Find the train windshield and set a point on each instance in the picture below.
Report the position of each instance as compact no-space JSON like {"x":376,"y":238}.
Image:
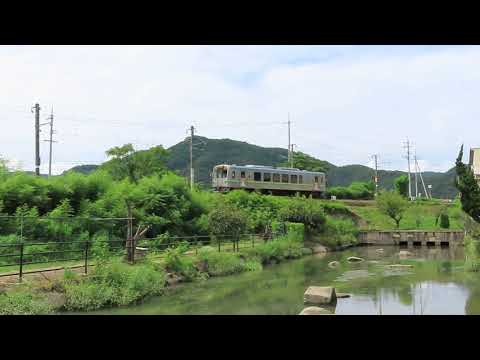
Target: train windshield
{"x":221,"y":173}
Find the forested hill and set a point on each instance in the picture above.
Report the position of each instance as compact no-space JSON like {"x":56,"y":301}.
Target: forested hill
{"x":210,"y":152}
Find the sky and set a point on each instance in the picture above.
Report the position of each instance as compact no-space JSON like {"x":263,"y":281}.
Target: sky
{"x":346,"y":103}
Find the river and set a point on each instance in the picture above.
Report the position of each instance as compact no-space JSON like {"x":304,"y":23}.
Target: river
{"x":436,"y":284}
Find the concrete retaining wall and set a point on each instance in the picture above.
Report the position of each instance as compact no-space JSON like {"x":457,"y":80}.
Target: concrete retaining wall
{"x":412,"y":237}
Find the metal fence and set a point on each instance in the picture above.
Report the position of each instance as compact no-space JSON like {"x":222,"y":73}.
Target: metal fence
{"x":21,"y":254}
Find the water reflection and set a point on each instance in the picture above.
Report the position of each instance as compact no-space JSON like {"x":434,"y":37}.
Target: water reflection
{"x":436,"y":284}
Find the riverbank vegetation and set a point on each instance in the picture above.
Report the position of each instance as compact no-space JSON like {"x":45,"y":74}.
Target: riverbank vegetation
{"x":115,"y":283}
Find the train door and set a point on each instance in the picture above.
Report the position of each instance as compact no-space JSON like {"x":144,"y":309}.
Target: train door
{"x":243,"y":177}
{"x":316,"y":186}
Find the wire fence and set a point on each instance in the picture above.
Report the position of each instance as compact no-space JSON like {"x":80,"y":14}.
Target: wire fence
{"x":20,"y":255}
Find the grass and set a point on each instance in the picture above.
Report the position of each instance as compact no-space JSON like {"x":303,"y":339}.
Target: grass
{"x":423,"y":211}
{"x":114,"y":284}
{"x":23,"y":303}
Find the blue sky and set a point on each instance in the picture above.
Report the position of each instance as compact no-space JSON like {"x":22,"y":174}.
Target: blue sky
{"x":346,"y":102}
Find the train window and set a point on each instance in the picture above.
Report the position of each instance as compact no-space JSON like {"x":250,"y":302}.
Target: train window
{"x":316,"y":179}
{"x":276,"y":177}
{"x":300,"y":179}
{"x":293,"y":179}
{"x":257,"y":176}
{"x":233,"y":174}
{"x":284,"y":178}
{"x":242,"y":174}
{"x":267,"y":177}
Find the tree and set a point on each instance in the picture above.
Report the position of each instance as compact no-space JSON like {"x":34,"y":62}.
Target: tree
{"x":226,"y":220}
{"x":392,"y":204}
{"x":3,"y":166}
{"x":468,"y":187}
{"x":306,"y":211}
{"x":401,"y":185}
{"x":126,"y":162}
{"x":444,"y":221}
{"x":306,"y":162}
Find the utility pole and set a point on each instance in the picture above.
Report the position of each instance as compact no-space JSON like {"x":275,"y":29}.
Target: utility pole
{"x":37,"y":138}
{"x":416,"y":172}
{"x":289,"y":145}
{"x":292,"y":156}
{"x":407,"y":146}
{"x":375,"y":156}
{"x":51,"y":141}
{"x":192,"y":129}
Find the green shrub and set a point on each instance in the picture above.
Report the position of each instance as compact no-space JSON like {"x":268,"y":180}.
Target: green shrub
{"x":22,"y":303}
{"x":88,"y":296}
{"x":227,"y":220}
{"x":114,"y":284}
{"x":339,"y":232}
{"x":306,"y":211}
{"x":444,"y":221}
{"x":276,"y":250}
{"x":295,"y":231}
{"x":472,"y":254}
{"x":219,"y":263}
{"x":224,"y":263}
{"x":176,"y":262}
{"x":356,"y":191}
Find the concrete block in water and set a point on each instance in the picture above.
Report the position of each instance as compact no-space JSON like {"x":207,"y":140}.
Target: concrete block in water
{"x":319,"y":295}
{"x":314,"y":310}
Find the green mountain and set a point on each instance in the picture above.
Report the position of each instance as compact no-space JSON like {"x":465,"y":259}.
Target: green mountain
{"x":210,"y":152}
{"x":83,"y":169}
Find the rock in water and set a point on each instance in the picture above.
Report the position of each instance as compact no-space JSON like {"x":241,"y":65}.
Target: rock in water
{"x":307,"y":251}
{"x":333,"y":264}
{"x":319,"y":295}
{"x":314,"y":310}
{"x":400,"y":266}
{"x":354,"y":259}
{"x":405,"y":253}
{"x":319,"y":249}
{"x":342,"y":295}
{"x":380,"y":251}
{"x":173,"y":279}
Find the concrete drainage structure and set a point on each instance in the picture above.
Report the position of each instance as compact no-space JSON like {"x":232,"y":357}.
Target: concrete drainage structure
{"x":443,"y":238}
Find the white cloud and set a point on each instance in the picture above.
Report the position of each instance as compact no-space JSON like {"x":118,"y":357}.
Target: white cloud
{"x":346,"y":103}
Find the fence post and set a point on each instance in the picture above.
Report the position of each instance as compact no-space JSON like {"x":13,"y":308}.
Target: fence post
{"x":20,"y":272}
{"x":86,"y":257}
{"x":219,"y":244}
{"x":253,"y":240}
{"x":196,"y":244}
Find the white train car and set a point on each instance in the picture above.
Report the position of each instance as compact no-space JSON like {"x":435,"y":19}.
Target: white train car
{"x":268,"y":179}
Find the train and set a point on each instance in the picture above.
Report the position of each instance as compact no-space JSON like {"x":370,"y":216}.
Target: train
{"x":268,"y":180}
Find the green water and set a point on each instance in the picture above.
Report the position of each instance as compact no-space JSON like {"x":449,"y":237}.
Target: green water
{"x":436,"y":284}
